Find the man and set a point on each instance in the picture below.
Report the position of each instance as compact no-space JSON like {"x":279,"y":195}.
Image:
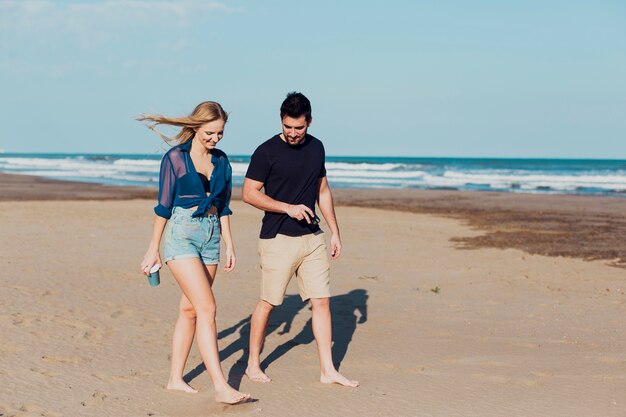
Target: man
{"x":290,"y":167}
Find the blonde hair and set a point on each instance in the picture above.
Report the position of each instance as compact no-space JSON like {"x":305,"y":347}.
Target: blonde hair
{"x":205,"y":112}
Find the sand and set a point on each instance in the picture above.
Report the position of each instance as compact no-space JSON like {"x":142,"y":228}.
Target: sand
{"x":584,"y":227}
{"x":428,"y":326}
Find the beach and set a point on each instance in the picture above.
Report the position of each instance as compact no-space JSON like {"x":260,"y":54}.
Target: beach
{"x":444,"y":304}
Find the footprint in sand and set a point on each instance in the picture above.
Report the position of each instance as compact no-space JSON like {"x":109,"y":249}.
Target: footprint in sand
{"x":44,"y":372}
{"x":96,"y":335}
{"x":417,"y":369}
{"x":65,"y":359}
{"x":72,"y":323}
{"x":20,"y":319}
{"x":499,"y":379}
{"x":32,"y":291}
{"x":156,"y":342}
{"x":124,"y":312}
{"x":529,"y":345}
{"x":369,"y":277}
{"x":132,"y":375}
{"x":35,"y":410}
{"x":151,"y":323}
{"x":479,"y":361}
{"x":97,"y":398}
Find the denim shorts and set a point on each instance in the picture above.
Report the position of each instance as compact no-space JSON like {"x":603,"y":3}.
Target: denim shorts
{"x":192,"y":237}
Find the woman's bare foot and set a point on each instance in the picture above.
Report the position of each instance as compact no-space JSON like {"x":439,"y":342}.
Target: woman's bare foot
{"x":335,"y":377}
{"x":229,"y":395}
{"x":181,"y":385}
{"x":257,"y":375}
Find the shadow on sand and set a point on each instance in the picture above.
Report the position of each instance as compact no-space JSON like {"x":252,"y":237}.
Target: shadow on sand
{"x":348,"y":310}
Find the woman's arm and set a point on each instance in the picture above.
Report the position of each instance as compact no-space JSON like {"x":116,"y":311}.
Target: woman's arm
{"x":228,"y":242}
{"x":152,"y":256}
{"x":167,"y":188}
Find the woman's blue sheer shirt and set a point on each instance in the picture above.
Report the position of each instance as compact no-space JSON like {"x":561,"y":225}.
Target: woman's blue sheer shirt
{"x":180,"y":186}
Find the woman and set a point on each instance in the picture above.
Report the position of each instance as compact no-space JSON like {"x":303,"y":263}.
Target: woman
{"x":192,"y":211}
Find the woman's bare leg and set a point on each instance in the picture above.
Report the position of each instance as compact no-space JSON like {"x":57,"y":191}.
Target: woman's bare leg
{"x":184,"y":330}
{"x":191,"y":275}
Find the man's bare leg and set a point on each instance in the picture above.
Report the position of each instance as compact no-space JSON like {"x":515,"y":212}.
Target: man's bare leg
{"x":258,"y":326}
{"x":322,"y":330}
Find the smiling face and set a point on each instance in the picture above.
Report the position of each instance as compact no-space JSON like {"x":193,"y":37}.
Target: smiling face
{"x":294,"y":129}
{"x":209,"y":134}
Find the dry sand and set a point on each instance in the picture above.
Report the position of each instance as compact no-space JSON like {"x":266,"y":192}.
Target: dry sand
{"x":428,"y":327}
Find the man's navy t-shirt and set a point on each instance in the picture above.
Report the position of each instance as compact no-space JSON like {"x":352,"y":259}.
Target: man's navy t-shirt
{"x":290,"y":174}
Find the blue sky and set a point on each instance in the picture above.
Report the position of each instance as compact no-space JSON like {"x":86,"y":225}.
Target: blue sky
{"x":396,"y":78}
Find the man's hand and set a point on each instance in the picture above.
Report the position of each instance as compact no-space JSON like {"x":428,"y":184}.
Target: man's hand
{"x":299,"y":212}
{"x":335,"y":247}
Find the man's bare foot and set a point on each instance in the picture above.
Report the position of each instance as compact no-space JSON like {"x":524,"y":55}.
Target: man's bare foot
{"x":336,"y":378}
{"x":257,"y":375}
{"x":229,"y":395}
{"x":181,"y":386}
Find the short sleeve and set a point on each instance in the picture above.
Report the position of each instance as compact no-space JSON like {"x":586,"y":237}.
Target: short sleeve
{"x":259,"y":167}
{"x":167,"y":189}
{"x":322,"y":173}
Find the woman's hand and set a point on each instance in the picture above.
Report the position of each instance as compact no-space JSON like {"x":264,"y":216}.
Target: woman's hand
{"x":230,"y":259}
{"x":151,"y":258}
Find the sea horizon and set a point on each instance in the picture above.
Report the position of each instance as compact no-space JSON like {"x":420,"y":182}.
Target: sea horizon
{"x":587,"y":176}
{"x":160,"y":155}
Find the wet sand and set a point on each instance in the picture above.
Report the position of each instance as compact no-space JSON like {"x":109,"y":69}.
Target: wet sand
{"x":585,"y":227}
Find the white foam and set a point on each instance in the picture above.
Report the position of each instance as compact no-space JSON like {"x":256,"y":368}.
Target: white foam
{"x":138,"y":162}
{"x":365,"y":166}
{"x":239,"y":168}
{"x":386,"y":175}
{"x":75,"y":166}
{"x":557,"y":181}
{"x":365,"y":181}
{"x":377,"y":174}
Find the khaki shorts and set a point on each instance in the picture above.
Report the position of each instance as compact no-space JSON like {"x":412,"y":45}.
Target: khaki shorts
{"x":306,"y":256}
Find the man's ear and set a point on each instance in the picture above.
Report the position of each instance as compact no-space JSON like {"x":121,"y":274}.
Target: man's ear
{"x":310,"y":121}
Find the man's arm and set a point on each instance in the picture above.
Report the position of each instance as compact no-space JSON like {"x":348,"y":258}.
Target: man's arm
{"x":325,"y":201}
{"x":252,"y":195}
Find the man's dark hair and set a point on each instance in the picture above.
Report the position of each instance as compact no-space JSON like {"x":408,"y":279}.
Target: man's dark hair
{"x":296,"y":105}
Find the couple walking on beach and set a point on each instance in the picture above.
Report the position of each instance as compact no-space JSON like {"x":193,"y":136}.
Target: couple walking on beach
{"x":192,"y":215}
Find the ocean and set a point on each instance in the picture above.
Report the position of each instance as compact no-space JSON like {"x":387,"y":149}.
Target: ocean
{"x":554,"y":176}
